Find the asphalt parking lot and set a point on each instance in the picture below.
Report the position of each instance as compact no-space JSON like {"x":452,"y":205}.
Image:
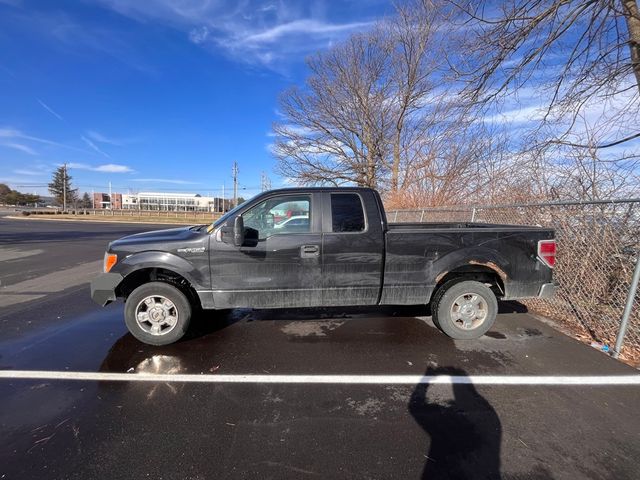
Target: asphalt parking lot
{"x":318,"y":393}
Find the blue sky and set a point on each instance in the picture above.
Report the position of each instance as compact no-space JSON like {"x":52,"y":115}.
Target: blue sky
{"x":154,"y":95}
{"x":164,"y":95}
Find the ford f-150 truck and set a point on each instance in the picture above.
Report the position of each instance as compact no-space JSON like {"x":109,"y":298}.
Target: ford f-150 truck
{"x":310,"y":247}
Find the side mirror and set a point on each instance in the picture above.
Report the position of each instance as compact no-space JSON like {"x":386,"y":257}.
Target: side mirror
{"x":238,"y":231}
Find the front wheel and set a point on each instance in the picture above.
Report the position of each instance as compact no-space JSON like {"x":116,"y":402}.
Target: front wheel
{"x":465,"y":310}
{"x":157,"y":313}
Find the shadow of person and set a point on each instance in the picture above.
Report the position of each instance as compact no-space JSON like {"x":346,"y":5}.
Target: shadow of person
{"x":464,"y":432}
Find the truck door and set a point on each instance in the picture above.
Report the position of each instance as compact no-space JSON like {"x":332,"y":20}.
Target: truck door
{"x":352,"y":249}
{"x":278,"y":264}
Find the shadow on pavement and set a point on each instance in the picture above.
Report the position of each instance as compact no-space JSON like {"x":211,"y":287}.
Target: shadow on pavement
{"x":464,"y":433}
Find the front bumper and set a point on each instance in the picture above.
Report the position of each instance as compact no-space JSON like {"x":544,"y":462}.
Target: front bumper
{"x":547,"y":290}
{"x":103,"y":288}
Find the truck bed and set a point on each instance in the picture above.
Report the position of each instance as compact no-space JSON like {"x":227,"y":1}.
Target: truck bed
{"x":418,"y":256}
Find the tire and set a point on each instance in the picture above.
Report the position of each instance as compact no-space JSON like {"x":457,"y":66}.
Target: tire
{"x":464,"y":310}
{"x":436,"y":300}
{"x":157,"y":313}
{"x":437,"y":296}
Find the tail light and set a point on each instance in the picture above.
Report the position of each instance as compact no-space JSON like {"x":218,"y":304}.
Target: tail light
{"x":547,"y":252}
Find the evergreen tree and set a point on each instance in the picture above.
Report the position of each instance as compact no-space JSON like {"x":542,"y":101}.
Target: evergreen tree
{"x":60,"y":179}
{"x":86,"y":201}
{"x":4,"y":191}
{"x":14,"y":197}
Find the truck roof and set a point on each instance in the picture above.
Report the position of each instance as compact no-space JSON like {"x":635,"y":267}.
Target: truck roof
{"x":321,"y":189}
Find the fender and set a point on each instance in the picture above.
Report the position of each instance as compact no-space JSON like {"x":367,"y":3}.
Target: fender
{"x":158,"y":259}
{"x":475,"y":255}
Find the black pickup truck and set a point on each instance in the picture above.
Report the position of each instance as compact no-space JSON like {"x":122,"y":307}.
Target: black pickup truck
{"x":309,"y":247}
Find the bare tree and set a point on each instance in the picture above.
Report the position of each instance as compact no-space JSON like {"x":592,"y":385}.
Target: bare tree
{"x":585,"y":174}
{"x":584,"y":51}
{"x":467,"y":163}
{"x":367,"y":105}
{"x":415,"y":44}
{"x":382,"y":110}
{"x":333,"y":131}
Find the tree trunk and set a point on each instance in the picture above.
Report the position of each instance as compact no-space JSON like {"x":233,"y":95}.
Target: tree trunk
{"x":632,"y":17}
{"x":395,"y":168}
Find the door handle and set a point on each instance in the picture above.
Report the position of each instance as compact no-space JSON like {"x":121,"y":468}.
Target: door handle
{"x":309,"y":251}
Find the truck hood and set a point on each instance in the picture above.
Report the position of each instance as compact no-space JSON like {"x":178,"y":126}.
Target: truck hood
{"x":159,"y":239}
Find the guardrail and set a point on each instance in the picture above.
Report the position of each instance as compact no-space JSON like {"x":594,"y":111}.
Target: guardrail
{"x":134,"y":214}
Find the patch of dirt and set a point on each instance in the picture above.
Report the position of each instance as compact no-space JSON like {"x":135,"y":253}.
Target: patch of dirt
{"x":311,"y":328}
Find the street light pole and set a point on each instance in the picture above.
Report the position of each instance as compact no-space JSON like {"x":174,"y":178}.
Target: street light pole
{"x":64,"y":189}
{"x":235,"y":184}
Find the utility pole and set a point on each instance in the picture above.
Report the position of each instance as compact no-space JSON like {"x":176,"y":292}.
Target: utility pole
{"x":265,"y":182}
{"x":234,"y":171}
{"x":110,"y":201}
{"x":64,"y":189}
{"x":223,"y":205}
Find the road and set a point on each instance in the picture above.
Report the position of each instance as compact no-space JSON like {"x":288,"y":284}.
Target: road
{"x":64,"y":428}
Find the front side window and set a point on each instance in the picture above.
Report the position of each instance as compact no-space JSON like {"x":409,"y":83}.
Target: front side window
{"x":346,"y":213}
{"x":279,"y":215}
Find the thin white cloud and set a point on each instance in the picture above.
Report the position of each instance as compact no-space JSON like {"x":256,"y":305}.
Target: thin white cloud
{"x":50,"y":110}
{"x":10,"y":132}
{"x":304,"y":26}
{"x":199,"y":35}
{"x":271,"y":35}
{"x":113,"y":168}
{"x":78,"y":166}
{"x":101,"y":138}
{"x":106,"y":168}
{"x":93,"y":146}
{"x":293,"y":129}
{"x":518,"y":115}
{"x":22,"y":171}
{"x":20,"y":147}
{"x":165,"y":180}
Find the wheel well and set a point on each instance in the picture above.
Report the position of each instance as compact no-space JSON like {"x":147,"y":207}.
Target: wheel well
{"x":146,"y":275}
{"x":478,"y":273}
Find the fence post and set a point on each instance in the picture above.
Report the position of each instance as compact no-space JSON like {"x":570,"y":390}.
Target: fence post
{"x":396,"y":216}
{"x":473,"y":215}
{"x":421,"y":215}
{"x":624,"y":323}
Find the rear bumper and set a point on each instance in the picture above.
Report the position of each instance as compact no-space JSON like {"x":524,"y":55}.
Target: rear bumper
{"x":547,"y":290}
{"x":103,"y":288}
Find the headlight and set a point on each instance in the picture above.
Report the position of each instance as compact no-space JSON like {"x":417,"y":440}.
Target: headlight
{"x":110,"y":260}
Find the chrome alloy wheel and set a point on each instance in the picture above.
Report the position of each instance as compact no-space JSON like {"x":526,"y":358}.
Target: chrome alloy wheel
{"x":156,"y":315}
{"x":469,"y":311}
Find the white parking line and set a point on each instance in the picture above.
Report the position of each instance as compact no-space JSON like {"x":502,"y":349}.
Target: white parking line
{"x":325,"y":379}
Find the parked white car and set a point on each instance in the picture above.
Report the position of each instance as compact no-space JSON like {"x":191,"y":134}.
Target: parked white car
{"x":294,"y":221}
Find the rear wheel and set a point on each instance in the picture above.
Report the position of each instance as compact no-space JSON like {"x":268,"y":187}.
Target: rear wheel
{"x":464,"y":310}
{"x":157,"y":313}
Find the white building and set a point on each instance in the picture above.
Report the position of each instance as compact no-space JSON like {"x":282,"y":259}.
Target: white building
{"x":182,"y":202}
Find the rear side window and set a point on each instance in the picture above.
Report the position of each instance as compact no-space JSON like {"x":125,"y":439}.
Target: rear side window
{"x":346,"y":212}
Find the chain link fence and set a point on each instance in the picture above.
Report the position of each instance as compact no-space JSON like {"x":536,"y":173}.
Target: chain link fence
{"x":598,"y":244}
